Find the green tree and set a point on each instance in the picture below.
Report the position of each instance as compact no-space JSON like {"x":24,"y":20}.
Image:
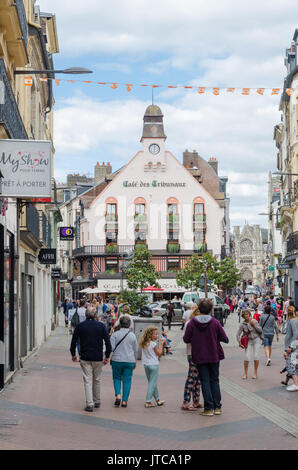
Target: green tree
{"x":227,"y":275}
{"x":132,"y":299}
{"x":141,"y":272}
{"x":198,"y":269}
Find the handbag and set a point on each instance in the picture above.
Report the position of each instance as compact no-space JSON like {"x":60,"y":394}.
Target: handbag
{"x":118,"y":345}
{"x":284,"y":328}
{"x":244,"y":340}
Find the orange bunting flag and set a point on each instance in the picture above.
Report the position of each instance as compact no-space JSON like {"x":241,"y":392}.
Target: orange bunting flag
{"x":58,"y":81}
{"x":201,"y":90}
{"x":155,"y":86}
{"x":101,"y":83}
{"x":275,"y":91}
{"x":114,"y":86}
{"x":87,"y":81}
{"x":71,"y":81}
{"x":245,"y":91}
{"x":289,"y":91}
{"x":216,"y":91}
{"x":188,"y":87}
{"x":261,"y":91}
{"x":230,"y":90}
{"x":128,"y":86}
{"x":144,"y":85}
{"x":172,"y":86}
{"x":28,"y":81}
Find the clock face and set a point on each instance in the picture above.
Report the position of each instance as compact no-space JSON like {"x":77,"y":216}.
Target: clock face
{"x":154,"y":149}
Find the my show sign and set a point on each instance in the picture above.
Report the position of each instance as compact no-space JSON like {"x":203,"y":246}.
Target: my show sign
{"x":26,"y":168}
{"x":153,"y":184}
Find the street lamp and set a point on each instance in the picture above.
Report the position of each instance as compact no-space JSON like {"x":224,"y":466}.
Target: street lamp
{"x":72,"y":70}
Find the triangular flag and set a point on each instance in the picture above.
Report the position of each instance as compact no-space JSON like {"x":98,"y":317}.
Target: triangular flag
{"x":275,"y":91}
{"x":28,"y":81}
{"x":201,"y":90}
{"x":289,"y":91}
{"x":230,"y":90}
{"x":260,"y":91}
{"x":58,"y":81}
{"x":114,"y":86}
{"x":245,"y":91}
{"x":128,"y":86}
{"x":216,"y":91}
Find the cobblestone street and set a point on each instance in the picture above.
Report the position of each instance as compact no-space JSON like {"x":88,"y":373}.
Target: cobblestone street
{"x":43,"y":407}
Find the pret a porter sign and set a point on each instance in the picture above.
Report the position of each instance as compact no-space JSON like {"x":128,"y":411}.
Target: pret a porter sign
{"x":26,"y":168}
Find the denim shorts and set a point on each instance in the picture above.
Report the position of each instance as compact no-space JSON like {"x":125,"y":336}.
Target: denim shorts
{"x":268,"y":339}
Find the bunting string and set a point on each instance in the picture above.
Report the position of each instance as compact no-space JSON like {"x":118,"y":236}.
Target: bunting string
{"x":201,"y":90}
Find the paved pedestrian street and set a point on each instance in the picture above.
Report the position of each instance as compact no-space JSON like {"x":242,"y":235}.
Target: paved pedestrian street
{"x":43,"y":408}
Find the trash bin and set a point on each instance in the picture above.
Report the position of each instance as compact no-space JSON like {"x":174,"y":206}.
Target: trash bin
{"x":140,"y":325}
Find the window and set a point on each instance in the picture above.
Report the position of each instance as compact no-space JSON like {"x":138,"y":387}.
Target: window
{"x":173,"y":236}
{"x":199,"y":237}
{"x":198,"y":209}
{"x":173,"y":264}
{"x":111,"y":237}
{"x":172,"y":209}
{"x":112,"y":265}
{"x":140,"y":236}
{"x":140,"y":209}
{"x":111,"y":209}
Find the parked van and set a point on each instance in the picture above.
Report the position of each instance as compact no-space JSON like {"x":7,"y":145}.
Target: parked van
{"x":221,"y":310}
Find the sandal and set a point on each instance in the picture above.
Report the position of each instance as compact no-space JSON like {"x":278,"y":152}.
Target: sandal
{"x":149,"y":405}
{"x":160,"y":402}
{"x":198,"y":405}
{"x":188,"y":408}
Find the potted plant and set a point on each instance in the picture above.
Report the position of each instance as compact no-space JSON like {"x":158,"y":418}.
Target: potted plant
{"x":111,"y":248}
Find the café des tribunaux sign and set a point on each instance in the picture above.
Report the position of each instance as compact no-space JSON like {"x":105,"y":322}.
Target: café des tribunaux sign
{"x":26,"y":168}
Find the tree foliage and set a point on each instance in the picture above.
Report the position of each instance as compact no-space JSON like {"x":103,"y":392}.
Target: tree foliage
{"x":197,"y":268}
{"x":141,"y":272}
{"x":227,"y":274}
{"x":132,"y":298}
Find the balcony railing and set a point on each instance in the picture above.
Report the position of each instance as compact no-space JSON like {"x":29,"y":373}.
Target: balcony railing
{"x":97,"y":250}
{"x":9,"y":112}
{"x":23,"y":19}
{"x":292,"y":243}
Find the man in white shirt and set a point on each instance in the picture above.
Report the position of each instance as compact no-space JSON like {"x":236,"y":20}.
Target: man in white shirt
{"x":187,"y":313}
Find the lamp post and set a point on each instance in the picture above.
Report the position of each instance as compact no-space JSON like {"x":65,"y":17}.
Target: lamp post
{"x":71,"y":70}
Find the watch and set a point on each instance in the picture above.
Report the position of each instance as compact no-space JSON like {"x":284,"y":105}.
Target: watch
{"x":154,"y":149}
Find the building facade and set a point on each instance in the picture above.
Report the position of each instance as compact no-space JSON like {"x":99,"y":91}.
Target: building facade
{"x":286,"y":139}
{"x":250,"y":252}
{"x":28,"y":39}
{"x":153,"y":201}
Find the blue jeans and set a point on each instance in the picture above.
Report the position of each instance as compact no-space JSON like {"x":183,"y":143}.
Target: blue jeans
{"x":122,"y":374}
{"x":152,"y":376}
{"x":268,"y":340}
{"x":209,"y":377}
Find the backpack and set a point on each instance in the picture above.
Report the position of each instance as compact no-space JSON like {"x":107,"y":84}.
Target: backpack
{"x":75,"y":319}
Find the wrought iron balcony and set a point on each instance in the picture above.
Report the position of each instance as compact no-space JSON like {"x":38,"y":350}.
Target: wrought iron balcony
{"x":292,"y":243}
{"x":98,"y":250}
{"x":10,"y":116}
{"x":23,"y":19}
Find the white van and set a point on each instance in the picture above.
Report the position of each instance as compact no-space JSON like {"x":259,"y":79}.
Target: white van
{"x":218,"y":303}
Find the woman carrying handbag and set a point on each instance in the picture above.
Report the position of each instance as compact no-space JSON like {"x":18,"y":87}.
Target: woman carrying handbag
{"x":250,"y":338}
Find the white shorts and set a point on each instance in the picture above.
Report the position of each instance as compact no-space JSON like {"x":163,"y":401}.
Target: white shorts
{"x":253,"y":349}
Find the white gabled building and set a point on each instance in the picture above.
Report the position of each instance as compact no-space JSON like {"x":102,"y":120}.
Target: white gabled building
{"x":153,"y":200}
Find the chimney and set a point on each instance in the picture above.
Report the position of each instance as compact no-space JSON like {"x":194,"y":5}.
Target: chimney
{"x":214,"y":164}
{"x":190,"y":159}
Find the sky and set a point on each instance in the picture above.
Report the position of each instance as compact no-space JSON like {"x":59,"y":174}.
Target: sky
{"x":169,"y":42}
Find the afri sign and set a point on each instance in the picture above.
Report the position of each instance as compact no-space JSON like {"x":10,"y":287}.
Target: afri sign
{"x":26,"y":168}
{"x":47,"y":256}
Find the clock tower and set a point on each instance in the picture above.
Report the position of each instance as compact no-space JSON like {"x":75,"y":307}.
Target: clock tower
{"x":153,"y":138}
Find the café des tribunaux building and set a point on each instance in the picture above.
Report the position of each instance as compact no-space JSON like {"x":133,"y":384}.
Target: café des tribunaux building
{"x":156,"y":201}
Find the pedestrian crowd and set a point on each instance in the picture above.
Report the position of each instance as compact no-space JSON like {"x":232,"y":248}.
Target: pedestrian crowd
{"x":97,"y":324}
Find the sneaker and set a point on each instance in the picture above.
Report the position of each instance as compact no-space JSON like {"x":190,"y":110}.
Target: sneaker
{"x":207,"y":413}
{"x":218,"y":411}
{"x":268,"y":362}
{"x":97,"y":405}
{"x":89,"y":408}
{"x":292,"y":388}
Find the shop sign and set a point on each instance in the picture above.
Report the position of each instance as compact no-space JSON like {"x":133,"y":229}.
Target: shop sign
{"x":153,"y":184}
{"x":67,"y":233}
{"x":56,"y":274}
{"x":283,"y":266}
{"x":26,"y":168}
{"x":47,"y":256}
